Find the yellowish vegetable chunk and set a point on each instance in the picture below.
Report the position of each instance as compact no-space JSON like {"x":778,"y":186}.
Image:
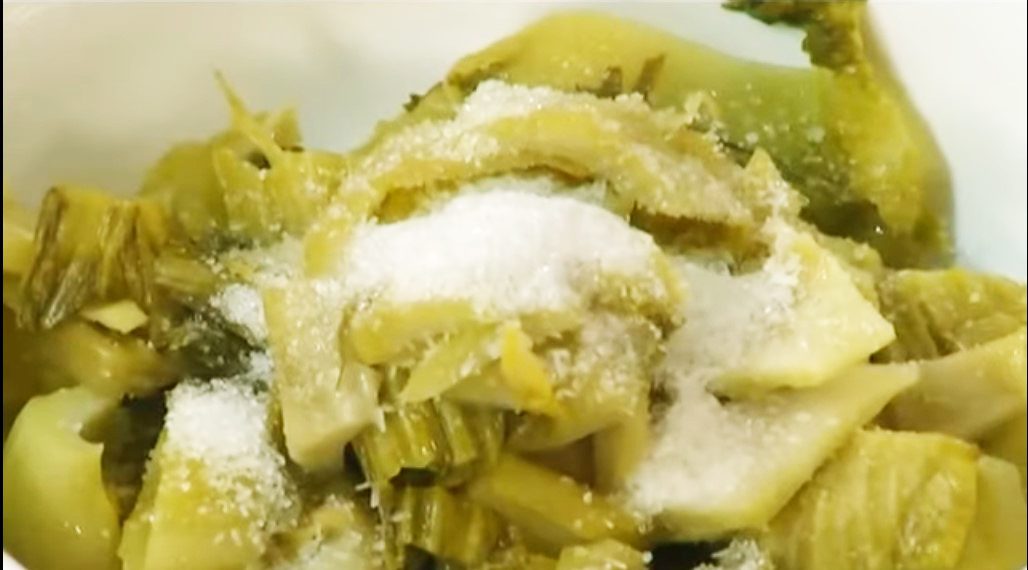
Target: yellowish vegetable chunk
{"x":453,"y":358}
{"x":603,"y":555}
{"x":996,"y":540}
{"x":944,"y":311}
{"x":599,"y":383}
{"x":966,"y":394}
{"x":215,"y":488}
{"x":557,"y":512}
{"x":57,"y":512}
{"x":1008,"y":443}
{"x":829,"y":328}
{"x":888,"y":500}
{"x":524,"y":372}
{"x":619,"y":449}
{"x":717,"y":468}
{"x":325,"y":401}
{"x":122,"y":316}
{"x":77,"y":353}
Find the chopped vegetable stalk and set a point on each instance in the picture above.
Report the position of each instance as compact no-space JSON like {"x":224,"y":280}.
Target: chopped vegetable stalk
{"x":603,"y":382}
{"x":576,"y":460}
{"x":718,"y":468}
{"x":250,"y":182}
{"x":557,"y":512}
{"x":325,"y":401}
{"x":876,"y":176}
{"x":448,"y":440}
{"x":906,"y":480}
{"x":455,"y":357}
{"x":968,"y":393}
{"x":215,"y":488}
{"x":603,"y":555}
{"x":936,"y":313}
{"x":514,"y":555}
{"x":77,"y":353}
{"x":640,"y":154}
{"x":831,"y":327}
{"x":385,"y":333}
{"x":444,"y":524}
{"x":619,"y":449}
{"x":996,"y":540}
{"x":524,"y":373}
{"x":56,"y":509}
{"x":184,"y":277}
{"x":90,"y":247}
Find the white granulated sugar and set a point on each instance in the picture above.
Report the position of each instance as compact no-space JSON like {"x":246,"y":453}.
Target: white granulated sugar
{"x":726,"y":315}
{"x":594,"y":192}
{"x":740,"y":554}
{"x":504,"y":252}
{"x":460,"y":139}
{"x":608,"y":359}
{"x":260,"y":368}
{"x":705,"y":451}
{"x":242,"y":305}
{"x":222,"y":425}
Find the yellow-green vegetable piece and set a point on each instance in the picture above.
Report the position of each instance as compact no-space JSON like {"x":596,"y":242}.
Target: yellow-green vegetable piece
{"x":1008,"y":443}
{"x":524,"y":372}
{"x":448,"y":440}
{"x":624,"y":145}
{"x":966,"y":394}
{"x":445,"y":524}
{"x":339,"y":533}
{"x":574,"y":460}
{"x":601,"y":382}
{"x":57,"y":512}
{"x":829,"y":328}
{"x":645,"y":157}
{"x":185,"y":182}
{"x":515,"y":556}
{"x":556,"y":511}
{"x":996,"y":540}
{"x":603,"y":555}
{"x":943,"y":311}
{"x":90,"y":247}
{"x":122,"y":316}
{"x":325,"y":401}
{"x":619,"y":449}
{"x":718,"y":468}
{"x":451,"y":359}
{"x":215,"y":487}
{"x":887,"y":500}
{"x":876,"y":160}
{"x":78,"y":353}
{"x":385,"y":332}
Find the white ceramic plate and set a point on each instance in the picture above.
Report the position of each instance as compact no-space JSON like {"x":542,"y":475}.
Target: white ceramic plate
{"x":94,"y":92}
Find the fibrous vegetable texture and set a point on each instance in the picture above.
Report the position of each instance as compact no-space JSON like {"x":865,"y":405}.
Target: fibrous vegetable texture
{"x":600,"y":298}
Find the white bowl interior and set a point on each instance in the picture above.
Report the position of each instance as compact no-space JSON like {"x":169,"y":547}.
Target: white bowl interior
{"x":94,"y":92}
